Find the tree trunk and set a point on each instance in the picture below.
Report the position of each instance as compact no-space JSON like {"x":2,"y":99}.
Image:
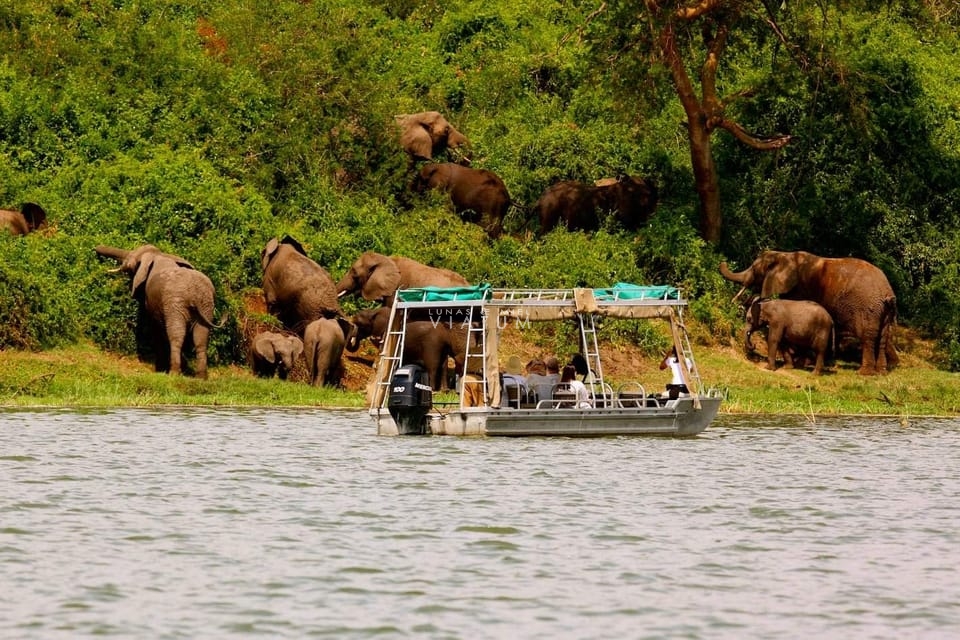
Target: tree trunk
{"x":707,"y":182}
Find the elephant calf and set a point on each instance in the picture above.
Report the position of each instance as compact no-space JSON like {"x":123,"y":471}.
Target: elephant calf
{"x":323,"y":342}
{"x":275,"y":354}
{"x":791,"y":325}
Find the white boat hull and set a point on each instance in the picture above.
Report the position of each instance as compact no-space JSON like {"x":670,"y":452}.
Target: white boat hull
{"x":678,"y":418}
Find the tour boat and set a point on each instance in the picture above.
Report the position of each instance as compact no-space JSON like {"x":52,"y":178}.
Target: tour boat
{"x":402,"y":400}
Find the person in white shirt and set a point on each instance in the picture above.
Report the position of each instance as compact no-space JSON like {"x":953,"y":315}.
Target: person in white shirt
{"x":569,"y":377}
{"x":676,"y":386}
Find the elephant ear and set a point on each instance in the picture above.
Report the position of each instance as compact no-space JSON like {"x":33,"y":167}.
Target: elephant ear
{"x":297,"y":345}
{"x":264,"y":348}
{"x":349,"y":331}
{"x":143,"y":271}
{"x":34,"y":214}
{"x":416,"y":140}
{"x":780,"y":279}
{"x":383,"y":280}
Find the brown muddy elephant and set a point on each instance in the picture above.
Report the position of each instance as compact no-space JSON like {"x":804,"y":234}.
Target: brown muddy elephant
{"x":427,"y":134}
{"x":478,"y":195}
{"x":581,"y":206}
{"x":177,"y":299}
{"x":377,"y":277}
{"x":296,"y":289}
{"x":430,"y":344}
{"x":792,"y":327}
{"x":323,"y":342}
{"x":855,"y":293}
{"x":19,"y":223}
{"x":275,"y":354}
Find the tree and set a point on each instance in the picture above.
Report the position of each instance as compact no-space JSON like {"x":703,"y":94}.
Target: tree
{"x":673,"y":33}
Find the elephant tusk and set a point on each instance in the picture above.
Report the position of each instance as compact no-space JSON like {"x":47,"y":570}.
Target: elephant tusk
{"x":117,"y":270}
{"x":341,"y":294}
{"x":739,"y":293}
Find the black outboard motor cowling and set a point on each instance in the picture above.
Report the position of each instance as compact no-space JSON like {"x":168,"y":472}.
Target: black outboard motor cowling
{"x":411,"y":398}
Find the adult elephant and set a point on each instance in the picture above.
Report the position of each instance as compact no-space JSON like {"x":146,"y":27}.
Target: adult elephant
{"x":377,"y":277}
{"x":855,"y":293}
{"x":792,"y":326}
{"x":430,"y":344}
{"x":296,"y":289}
{"x":19,"y":223}
{"x":323,"y":342}
{"x":580,"y":206}
{"x":275,"y":353}
{"x":478,"y":195}
{"x":178,"y":300}
{"x":427,"y":134}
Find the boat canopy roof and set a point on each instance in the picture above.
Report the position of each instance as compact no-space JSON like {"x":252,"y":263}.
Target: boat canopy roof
{"x":622,"y":300}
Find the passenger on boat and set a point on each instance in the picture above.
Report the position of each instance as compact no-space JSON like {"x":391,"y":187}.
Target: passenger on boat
{"x":569,"y":378}
{"x":471,"y":390}
{"x":676,"y":386}
{"x":538,"y":380}
{"x":514,"y":384}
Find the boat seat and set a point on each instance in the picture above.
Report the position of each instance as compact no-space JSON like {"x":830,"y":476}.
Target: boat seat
{"x":563,"y":396}
{"x":632,"y":395}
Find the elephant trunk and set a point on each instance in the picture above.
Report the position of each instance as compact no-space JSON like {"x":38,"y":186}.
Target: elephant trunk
{"x":112,"y":252}
{"x":743,"y":277}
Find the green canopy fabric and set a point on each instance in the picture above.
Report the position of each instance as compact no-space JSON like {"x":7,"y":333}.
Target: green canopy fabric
{"x":445,"y":294}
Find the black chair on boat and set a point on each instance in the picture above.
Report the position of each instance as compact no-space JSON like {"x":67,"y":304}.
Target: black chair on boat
{"x":632,"y":395}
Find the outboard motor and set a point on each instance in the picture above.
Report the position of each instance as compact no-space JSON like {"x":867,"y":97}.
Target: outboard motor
{"x":411,"y":397}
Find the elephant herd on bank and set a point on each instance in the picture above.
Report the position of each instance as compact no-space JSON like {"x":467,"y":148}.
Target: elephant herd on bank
{"x":802,"y":301}
{"x":481,"y":197}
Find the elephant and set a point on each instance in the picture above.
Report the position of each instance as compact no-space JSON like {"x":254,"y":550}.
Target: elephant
{"x":275,"y":354}
{"x":855,"y":293}
{"x":370,"y":323}
{"x":580,"y":206}
{"x":323,"y":342}
{"x":478,"y":195}
{"x":377,"y":277}
{"x":427,"y":134}
{"x":19,"y":223}
{"x":793,"y":326}
{"x":177,"y":299}
{"x":430,"y":344}
{"x":295,"y":288}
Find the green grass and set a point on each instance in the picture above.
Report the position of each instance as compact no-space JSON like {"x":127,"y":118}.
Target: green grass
{"x":83,"y":376}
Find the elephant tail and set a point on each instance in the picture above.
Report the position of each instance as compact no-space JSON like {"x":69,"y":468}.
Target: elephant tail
{"x":209,"y":323}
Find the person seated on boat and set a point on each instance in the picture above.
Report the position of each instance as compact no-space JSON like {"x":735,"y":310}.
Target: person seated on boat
{"x":539,"y":384}
{"x":582,"y":368}
{"x":514,"y":383}
{"x":676,"y":386}
{"x":471,"y":390}
{"x":569,"y":378}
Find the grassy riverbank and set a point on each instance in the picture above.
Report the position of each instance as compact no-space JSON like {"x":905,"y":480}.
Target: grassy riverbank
{"x":83,"y":376}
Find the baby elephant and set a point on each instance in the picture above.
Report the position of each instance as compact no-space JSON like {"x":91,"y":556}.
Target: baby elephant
{"x":323,"y":342}
{"x":791,"y":324}
{"x":275,"y":354}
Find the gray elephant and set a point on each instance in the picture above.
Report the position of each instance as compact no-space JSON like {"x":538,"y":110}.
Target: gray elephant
{"x":19,"y":223}
{"x":478,"y":195}
{"x":430,"y":344}
{"x":296,"y":289}
{"x":427,"y":134}
{"x":792,"y":327}
{"x":275,"y":353}
{"x":377,"y":277}
{"x":632,"y":200}
{"x":370,"y":323}
{"x":855,"y":293}
{"x":323,"y":342}
{"x":177,"y":299}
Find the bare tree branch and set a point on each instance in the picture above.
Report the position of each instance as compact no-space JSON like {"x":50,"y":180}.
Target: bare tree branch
{"x":741,"y":134}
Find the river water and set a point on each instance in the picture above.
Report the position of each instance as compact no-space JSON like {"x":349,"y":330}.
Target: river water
{"x":203,"y":523}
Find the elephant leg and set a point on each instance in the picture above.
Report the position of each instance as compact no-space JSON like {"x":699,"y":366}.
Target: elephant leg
{"x":201,"y":335}
{"x":176,"y":336}
{"x":773,"y":346}
{"x":788,"y":358}
{"x":821,"y":356}
{"x":868,"y":357}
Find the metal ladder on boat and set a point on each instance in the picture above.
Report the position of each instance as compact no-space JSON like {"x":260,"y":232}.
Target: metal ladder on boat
{"x":591,"y":352}
{"x":391,"y":354}
{"x":476,"y":333}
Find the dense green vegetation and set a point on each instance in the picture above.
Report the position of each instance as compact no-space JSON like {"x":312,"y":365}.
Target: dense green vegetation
{"x":207,"y":128}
